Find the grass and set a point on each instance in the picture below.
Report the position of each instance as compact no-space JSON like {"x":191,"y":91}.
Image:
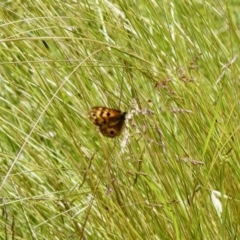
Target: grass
{"x":173,"y":173}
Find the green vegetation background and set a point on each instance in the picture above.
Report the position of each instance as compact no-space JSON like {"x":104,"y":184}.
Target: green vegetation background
{"x":174,"y":171}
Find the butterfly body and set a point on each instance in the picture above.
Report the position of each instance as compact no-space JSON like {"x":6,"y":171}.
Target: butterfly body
{"x":110,"y":121}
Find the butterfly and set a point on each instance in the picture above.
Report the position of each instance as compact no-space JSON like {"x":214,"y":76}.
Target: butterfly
{"x":110,"y":121}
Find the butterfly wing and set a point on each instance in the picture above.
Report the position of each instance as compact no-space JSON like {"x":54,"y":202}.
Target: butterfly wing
{"x":115,"y":126}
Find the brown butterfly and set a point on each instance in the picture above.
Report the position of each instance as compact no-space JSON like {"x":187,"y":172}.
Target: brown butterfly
{"x":110,"y":121}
